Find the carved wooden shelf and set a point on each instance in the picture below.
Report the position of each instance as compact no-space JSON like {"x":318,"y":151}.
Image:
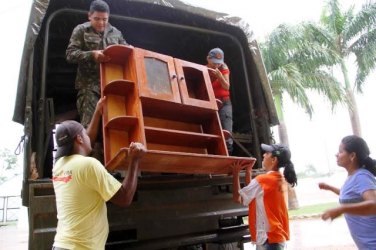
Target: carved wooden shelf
{"x":176,"y":137}
{"x":122,"y":123}
{"x":185,"y":163}
{"x":118,"y":54}
{"x":118,"y":87}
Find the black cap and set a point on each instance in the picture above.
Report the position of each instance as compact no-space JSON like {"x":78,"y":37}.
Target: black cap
{"x":282,"y":152}
{"x":65,"y":134}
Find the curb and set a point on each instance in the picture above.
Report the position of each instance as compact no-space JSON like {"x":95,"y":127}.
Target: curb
{"x":306,"y":216}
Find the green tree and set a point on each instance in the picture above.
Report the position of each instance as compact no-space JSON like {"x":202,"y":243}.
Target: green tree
{"x":295,"y":65}
{"x":9,"y":163}
{"x":349,"y":34}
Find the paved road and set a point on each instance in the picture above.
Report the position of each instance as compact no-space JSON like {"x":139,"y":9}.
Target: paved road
{"x":306,"y":234}
{"x":13,"y":238}
{"x":310,"y":234}
{"x":315,"y":234}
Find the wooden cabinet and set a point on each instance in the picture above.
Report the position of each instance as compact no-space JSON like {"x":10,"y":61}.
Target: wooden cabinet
{"x":168,"y":105}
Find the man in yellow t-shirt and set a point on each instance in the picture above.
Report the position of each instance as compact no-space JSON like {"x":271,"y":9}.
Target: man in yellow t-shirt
{"x":83,"y":186}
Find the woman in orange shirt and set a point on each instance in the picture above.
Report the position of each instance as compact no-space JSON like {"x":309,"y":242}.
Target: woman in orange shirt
{"x":268,"y":215}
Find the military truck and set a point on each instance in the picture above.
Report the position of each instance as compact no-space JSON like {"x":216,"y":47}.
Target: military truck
{"x":169,"y":211}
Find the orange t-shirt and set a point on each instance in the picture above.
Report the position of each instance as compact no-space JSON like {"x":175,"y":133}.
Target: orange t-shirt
{"x":268,"y":215}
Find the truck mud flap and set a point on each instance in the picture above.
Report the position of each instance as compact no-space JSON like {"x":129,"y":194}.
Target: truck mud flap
{"x":42,"y":215}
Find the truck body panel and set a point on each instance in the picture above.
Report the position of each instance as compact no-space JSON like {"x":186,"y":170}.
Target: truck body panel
{"x":169,"y":210}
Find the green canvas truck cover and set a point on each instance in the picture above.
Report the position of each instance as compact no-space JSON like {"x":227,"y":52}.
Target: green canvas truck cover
{"x":169,"y":210}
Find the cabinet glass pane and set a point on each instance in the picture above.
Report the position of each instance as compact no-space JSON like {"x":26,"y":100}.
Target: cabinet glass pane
{"x":157,"y":74}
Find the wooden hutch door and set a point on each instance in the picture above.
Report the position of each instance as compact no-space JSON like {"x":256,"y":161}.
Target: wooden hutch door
{"x":157,"y":76}
{"x":195,"y":85}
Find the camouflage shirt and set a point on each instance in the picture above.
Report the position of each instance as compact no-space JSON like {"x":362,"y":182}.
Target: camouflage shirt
{"x":84,"y":39}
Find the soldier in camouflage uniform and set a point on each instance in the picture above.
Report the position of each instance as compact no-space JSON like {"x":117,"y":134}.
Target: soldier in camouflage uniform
{"x":86,"y":49}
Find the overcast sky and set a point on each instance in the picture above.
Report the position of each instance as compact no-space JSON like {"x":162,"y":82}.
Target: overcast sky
{"x":15,"y":15}
{"x":312,"y":142}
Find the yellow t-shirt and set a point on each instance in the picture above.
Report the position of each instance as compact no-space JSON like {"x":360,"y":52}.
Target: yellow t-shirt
{"x":82,"y":186}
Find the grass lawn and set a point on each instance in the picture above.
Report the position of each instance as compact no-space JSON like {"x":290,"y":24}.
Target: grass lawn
{"x":306,"y":211}
{"x":311,"y":210}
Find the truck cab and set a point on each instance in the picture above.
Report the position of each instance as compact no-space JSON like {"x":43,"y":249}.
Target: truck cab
{"x":169,"y":210}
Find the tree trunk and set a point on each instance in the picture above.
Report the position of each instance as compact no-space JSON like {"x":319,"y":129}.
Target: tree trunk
{"x":293,"y":202}
{"x":282,"y":131}
{"x":354,"y":114}
{"x":352,"y":107}
{"x":292,"y":199}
